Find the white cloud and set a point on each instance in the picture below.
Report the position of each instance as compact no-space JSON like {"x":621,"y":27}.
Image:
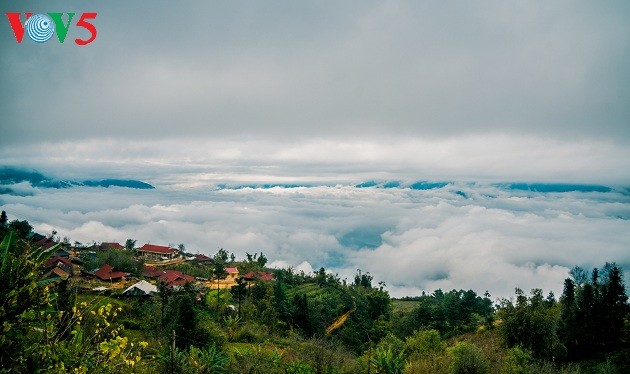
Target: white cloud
{"x":494,"y":239}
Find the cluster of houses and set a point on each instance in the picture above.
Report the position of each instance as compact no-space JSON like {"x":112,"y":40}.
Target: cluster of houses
{"x":66,"y":263}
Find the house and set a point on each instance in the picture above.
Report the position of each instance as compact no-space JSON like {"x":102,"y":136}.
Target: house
{"x":175,"y":278}
{"x":107,"y":273}
{"x":57,"y":272}
{"x":152,"y":252}
{"x":259,"y":275}
{"x":152,"y":272}
{"x":232,"y":274}
{"x":142,"y":288}
{"x":203,"y":259}
{"x":44,"y":243}
{"x":59,"y":261}
{"x":116,"y":246}
{"x":57,"y":266}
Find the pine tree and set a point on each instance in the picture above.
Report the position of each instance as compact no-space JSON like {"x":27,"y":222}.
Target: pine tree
{"x":567,"y":328}
{"x":614,"y":308}
{"x":3,"y":219}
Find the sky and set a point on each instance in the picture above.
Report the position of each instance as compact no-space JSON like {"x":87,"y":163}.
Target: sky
{"x":329,"y":94}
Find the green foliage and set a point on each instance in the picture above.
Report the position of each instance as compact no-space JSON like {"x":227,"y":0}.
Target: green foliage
{"x":363,"y":279}
{"x":41,"y":331}
{"x":466,"y":358}
{"x":3,"y":219}
{"x":517,"y":361}
{"x":21,"y":228}
{"x":450,"y":313}
{"x":195,"y":360}
{"x":391,"y":342}
{"x":386,"y":361}
{"x":298,"y":367}
{"x":130,"y":244}
{"x":593,"y":315}
{"x":258,"y":360}
{"x":531,"y":323}
{"x":424,"y":343}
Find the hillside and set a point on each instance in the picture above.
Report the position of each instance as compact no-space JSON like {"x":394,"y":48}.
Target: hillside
{"x":68,"y":307}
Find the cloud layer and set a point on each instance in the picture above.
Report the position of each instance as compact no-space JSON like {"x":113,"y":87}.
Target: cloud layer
{"x":493,"y":239}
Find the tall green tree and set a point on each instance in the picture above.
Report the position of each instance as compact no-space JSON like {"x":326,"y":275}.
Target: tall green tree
{"x":531,"y":324}
{"x":614,"y":310}
{"x":3,"y":219}
{"x":21,"y":228}
{"x":218,"y":274}
{"x":130,"y":244}
{"x":239,"y":293}
{"x":568,"y":328}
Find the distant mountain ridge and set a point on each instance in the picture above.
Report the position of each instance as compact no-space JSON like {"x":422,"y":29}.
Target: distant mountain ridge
{"x":431,"y":185}
{"x":12,"y":175}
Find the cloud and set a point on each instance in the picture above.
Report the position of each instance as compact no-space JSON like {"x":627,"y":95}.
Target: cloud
{"x":222,"y":70}
{"x":190,"y":163}
{"x":495,"y":239}
{"x":328,"y":95}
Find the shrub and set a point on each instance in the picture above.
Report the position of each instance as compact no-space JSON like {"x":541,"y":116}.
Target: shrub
{"x":385,"y":361}
{"x":516,"y":361}
{"x":424,"y":343}
{"x":466,"y":358}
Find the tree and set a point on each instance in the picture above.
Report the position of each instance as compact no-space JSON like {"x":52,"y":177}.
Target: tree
{"x":181,"y":247}
{"x":567,"y":326}
{"x":130,"y":244}
{"x":592,"y":316}
{"x":184,"y":317}
{"x":239,"y":292}
{"x":219,"y":273}
{"x":222,"y":256}
{"x":3,"y":219}
{"x":531,"y":324}
{"x":614,"y":309}
{"x":21,"y":228}
{"x":363,"y":279}
{"x":262,"y":260}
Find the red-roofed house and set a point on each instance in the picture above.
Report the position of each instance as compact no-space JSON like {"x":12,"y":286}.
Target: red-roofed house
{"x":260,"y":275}
{"x":152,"y":272}
{"x":45,"y":243}
{"x":175,"y":278}
{"x":116,"y":246}
{"x":58,"y":267}
{"x":202,"y":259}
{"x":107,"y":273}
{"x":58,"y":261}
{"x":157,"y":252}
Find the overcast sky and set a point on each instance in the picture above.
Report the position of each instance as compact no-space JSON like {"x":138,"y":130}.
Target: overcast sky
{"x":351,"y":71}
{"x":186,"y":95}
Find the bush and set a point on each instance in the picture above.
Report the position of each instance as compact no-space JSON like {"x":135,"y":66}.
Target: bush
{"x":424,"y":343}
{"x":387,"y":362}
{"x":466,"y":358}
{"x":390,"y":341}
{"x":516,"y":361}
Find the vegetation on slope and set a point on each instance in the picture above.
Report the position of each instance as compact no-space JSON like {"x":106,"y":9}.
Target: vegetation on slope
{"x":300,"y":323}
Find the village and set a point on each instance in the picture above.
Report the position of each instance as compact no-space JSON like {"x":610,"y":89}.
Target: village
{"x":151,"y":266}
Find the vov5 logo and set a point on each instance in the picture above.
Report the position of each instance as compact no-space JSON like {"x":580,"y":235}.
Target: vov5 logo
{"x":41,"y":27}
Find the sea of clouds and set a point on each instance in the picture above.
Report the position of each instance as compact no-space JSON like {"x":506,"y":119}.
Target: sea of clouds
{"x":480,"y":236}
